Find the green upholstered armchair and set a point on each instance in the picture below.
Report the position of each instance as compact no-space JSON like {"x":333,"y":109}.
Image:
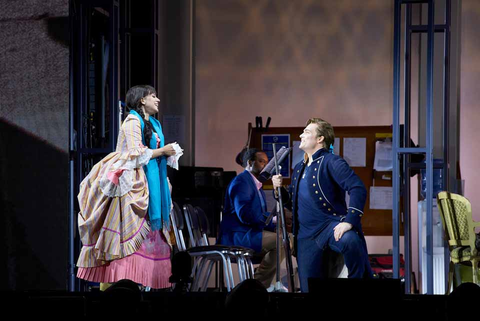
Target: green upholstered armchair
{"x":456,"y":213}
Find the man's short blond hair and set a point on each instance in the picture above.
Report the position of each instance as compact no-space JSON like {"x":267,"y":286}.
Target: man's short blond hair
{"x":323,"y":129}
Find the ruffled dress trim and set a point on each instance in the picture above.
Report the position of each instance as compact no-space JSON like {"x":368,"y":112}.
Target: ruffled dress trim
{"x":149,"y":266}
{"x":111,"y":247}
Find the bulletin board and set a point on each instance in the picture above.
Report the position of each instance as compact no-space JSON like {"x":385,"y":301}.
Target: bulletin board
{"x":374,"y":221}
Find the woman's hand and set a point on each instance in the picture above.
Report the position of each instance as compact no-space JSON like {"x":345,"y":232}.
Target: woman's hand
{"x":168,"y":150}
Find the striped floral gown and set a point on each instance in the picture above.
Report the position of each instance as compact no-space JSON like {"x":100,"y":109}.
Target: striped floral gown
{"x":113,"y":223}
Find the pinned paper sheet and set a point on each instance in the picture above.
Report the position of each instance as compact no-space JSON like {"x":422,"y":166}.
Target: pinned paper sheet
{"x":354,"y":151}
{"x":381,"y":198}
{"x":383,"y":156}
{"x":172,"y":161}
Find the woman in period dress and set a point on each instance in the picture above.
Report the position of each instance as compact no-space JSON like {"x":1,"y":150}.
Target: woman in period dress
{"x":125,"y":203}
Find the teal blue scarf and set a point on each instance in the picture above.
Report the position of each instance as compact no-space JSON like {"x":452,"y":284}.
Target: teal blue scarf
{"x":156,"y":171}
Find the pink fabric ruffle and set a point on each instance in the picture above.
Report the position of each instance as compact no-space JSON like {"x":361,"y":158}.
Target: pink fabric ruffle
{"x":149,"y":266}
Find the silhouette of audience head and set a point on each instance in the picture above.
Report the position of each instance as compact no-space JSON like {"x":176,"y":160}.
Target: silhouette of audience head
{"x":249,"y":296}
{"x":181,"y":271}
{"x":463,"y":301}
{"x":122,"y":298}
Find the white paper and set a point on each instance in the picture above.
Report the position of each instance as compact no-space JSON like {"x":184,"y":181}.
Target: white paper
{"x":297,"y":153}
{"x":336,"y":146}
{"x":354,"y":151}
{"x":383,"y":156}
{"x":381,"y":198}
{"x":172,"y":161}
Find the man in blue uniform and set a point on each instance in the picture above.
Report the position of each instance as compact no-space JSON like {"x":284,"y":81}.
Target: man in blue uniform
{"x":245,"y":215}
{"x":321,"y":217}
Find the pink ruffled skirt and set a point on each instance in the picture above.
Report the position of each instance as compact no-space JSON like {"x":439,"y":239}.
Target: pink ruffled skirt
{"x":149,"y":266}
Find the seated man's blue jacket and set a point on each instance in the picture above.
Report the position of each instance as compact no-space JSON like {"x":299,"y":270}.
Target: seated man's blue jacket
{"x":243,"y":215}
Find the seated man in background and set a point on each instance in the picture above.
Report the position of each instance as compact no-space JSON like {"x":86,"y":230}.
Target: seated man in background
{"x":245,"y":215}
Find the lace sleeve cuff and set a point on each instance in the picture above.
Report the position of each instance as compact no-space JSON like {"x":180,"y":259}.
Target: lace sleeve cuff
{"x":136,"y":158}
{"x":119,"y":180}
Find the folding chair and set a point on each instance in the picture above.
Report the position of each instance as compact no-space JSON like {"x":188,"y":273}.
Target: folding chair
{"x":242,"y":255}
{"x":211,"y":253}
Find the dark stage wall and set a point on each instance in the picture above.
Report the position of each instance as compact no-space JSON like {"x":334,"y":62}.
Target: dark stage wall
{"x":34,"y":133}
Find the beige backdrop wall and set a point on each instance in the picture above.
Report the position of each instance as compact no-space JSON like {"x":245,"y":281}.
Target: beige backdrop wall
{"x":469,"y":102}
{"x":290,"y":60}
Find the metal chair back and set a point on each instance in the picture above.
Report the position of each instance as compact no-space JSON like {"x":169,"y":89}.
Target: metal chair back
{"x":203,"y":222}
{"x":178,"y":224}
{"x":193,"y":226}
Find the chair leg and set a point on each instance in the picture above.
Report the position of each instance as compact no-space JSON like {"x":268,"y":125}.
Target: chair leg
{"x":194,"y":273}
{"x":196,"y":263}
{"x":252,"y":269}
{"x":244,"y":268}
{"x":241,"y":268}
{"x":202,"y":274}
{"x":198,"y":275}
{"x":227,"y":273}
{"x":475,"y":271}
{"x":450,"y":277}
{"x":230,"y":271}
{"x":207,"y":276}
{"x":221,"y":276}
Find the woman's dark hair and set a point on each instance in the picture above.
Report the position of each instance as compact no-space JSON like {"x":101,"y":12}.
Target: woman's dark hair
{"x":133,"y":100}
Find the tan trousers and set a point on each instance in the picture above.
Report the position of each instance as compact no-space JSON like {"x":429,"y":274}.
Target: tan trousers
{"x":268,"y":267}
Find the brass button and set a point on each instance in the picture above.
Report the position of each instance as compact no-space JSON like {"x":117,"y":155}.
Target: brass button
{"x":313,"y":176}
{"x":334,"y":214}
{"x":313,"y":184}
{"x":324,"y":204}
{"x":318,"y":162}
{"x":316,"y":192}
{"x":360,"y":215}
{"x":353,"y":211}
{"x":329,"y":209}
{"x":320,"y":198}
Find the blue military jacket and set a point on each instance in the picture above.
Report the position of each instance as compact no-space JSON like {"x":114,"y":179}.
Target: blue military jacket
{"x":244,"y":214}
{"x":329,"y":177}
